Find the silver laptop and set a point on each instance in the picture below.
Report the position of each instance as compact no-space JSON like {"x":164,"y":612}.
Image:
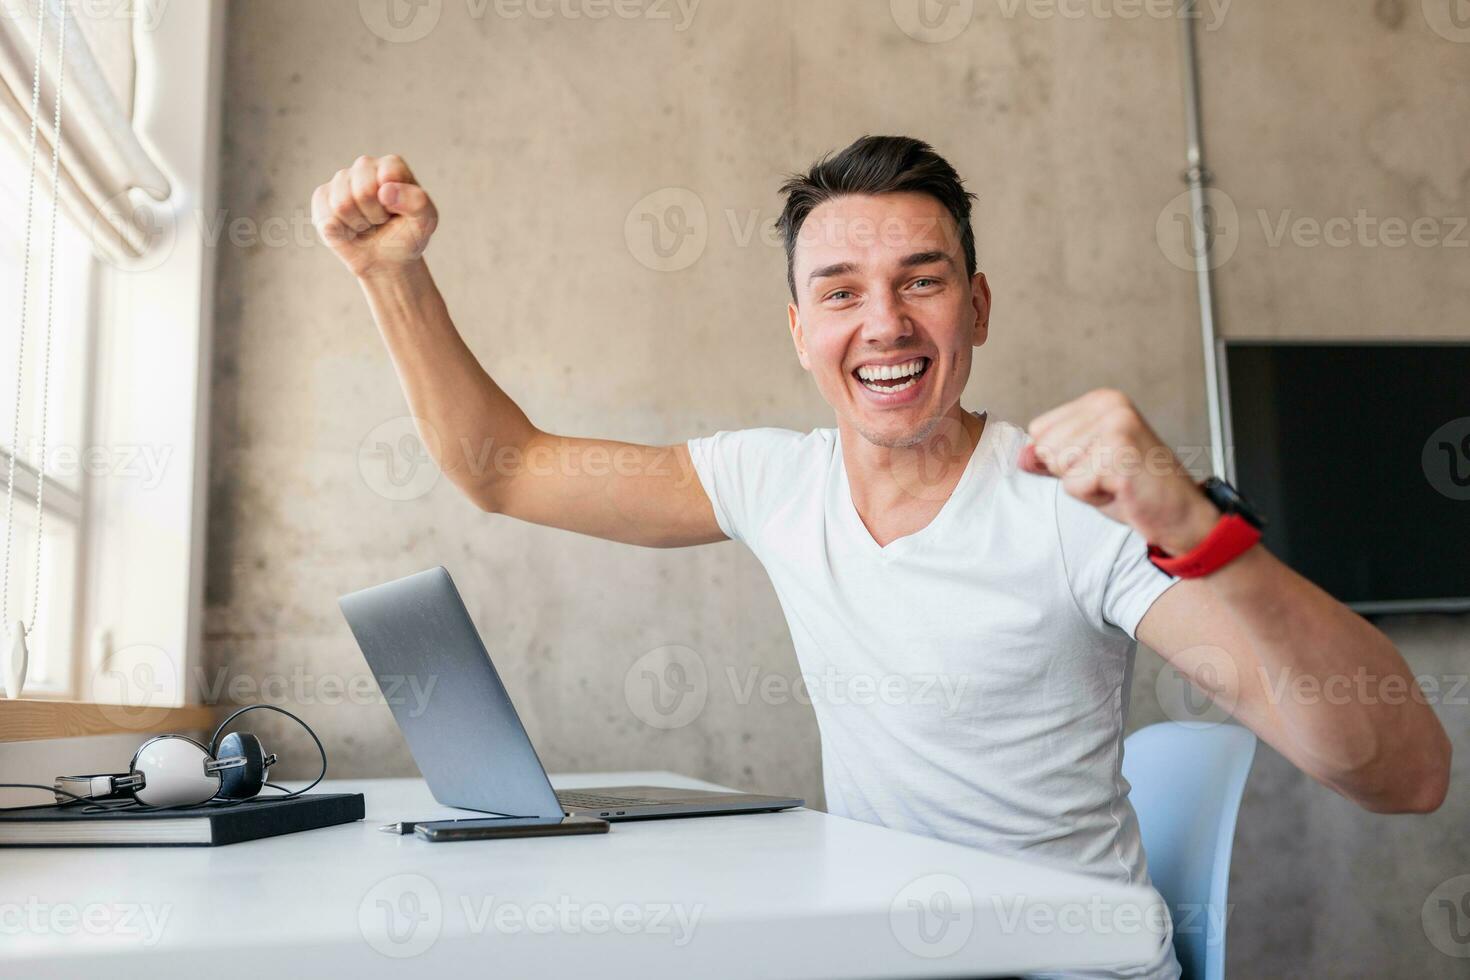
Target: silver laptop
{"x":461,"y":727}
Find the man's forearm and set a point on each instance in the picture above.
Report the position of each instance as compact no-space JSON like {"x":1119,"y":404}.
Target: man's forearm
{"x":1338,"y":687}
{"x":468,"y":417}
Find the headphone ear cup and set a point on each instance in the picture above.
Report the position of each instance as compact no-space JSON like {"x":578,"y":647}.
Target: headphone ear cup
{"x":245,"y":781}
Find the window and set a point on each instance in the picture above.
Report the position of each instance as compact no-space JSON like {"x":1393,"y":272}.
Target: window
{"x":121,"y":594}
{"x":57,"y":634}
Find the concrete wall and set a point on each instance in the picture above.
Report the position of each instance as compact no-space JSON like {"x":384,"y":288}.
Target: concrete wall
{"x":540,"y":136}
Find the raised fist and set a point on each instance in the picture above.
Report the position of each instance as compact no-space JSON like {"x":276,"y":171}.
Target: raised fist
{"x":374,"y":215}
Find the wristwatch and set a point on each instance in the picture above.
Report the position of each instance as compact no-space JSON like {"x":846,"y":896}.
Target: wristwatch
{"x":1238,"y":529}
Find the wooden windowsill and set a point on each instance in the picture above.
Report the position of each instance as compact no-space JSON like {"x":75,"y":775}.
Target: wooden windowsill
{"x":28,"y":720}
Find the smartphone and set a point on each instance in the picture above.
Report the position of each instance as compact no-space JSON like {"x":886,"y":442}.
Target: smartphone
{"x":439,"y":831}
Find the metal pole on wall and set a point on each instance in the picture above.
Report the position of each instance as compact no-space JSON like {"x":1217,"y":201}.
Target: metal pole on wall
{"x":1201,"y":225}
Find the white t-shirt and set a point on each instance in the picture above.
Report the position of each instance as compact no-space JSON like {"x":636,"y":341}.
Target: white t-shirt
{"x":970,"y":680}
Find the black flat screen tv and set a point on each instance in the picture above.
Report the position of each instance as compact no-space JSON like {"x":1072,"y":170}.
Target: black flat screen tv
{"x":1358,"y":455}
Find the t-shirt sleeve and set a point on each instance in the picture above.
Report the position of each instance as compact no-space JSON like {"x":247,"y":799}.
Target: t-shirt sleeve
{"x":1107,"y":565}
{"x":743,"y":473}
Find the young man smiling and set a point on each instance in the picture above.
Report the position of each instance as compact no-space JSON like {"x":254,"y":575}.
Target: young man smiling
{"x":920,"y":539}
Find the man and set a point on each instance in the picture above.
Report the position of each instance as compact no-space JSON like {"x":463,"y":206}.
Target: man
{"x":917,"y":539}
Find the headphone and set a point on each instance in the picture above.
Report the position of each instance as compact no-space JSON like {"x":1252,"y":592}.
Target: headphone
{"x":176,"y":772}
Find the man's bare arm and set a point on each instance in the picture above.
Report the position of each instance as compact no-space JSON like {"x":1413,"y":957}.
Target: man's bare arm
{"x":1315,"y":680}
{"x":379,"y":221}
{"x":1251,"y":631}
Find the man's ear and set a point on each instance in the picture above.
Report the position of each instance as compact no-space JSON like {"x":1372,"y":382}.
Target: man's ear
{"x":794,"y":321}
{"x":980,"y":298}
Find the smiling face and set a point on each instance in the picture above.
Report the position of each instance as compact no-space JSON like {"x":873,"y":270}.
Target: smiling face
{"x":886,"y":317}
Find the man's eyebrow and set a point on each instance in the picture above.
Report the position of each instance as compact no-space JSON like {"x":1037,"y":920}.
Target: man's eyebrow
{"x":924,"y":258}
{"x":836,"y":269}
{"x":909,"y":262}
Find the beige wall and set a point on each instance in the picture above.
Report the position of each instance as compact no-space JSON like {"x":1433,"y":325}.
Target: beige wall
{"x":537,"y":138}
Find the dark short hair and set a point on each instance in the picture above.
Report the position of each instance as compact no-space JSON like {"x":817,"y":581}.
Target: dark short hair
{"x":875,"y":165}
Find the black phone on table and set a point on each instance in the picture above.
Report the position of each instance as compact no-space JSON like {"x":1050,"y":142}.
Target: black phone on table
{"x":492,"y":828}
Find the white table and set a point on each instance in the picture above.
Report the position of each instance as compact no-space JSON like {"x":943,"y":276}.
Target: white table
{"x":792,"y":894}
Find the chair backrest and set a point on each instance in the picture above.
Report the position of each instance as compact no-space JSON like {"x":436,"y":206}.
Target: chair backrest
{"x":1187,"y":783}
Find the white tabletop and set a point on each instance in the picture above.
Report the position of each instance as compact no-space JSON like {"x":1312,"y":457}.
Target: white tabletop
{"x":791,"y":894}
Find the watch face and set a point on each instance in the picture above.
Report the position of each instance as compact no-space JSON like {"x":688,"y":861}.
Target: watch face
{"x":1231,"y":501}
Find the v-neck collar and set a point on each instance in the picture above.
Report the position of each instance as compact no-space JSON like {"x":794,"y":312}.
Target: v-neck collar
{"x":909,"y":541}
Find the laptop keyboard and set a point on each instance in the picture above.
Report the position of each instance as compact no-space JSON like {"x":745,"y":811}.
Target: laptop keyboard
{"x":593,"y":800}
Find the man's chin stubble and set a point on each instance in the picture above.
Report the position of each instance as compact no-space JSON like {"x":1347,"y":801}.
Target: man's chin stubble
{"x":905,"y":440}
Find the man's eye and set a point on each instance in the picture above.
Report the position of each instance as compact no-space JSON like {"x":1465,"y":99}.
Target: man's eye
{"x":923,"y":280}
{"x":839,"y":294}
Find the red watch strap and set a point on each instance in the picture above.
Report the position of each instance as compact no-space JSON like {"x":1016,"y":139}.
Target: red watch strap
{"x":1231,"y":537}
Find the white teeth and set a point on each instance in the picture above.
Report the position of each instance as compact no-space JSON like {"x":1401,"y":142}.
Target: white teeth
{"x":890,"y":372}
{"x":890,"y":389}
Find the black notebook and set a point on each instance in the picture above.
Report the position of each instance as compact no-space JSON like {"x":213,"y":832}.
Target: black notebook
{"x":206,"y":826}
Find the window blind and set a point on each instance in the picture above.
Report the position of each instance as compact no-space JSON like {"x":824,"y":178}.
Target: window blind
{"x":105,"y":168}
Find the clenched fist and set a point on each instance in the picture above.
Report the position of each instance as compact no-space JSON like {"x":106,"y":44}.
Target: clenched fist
{"x":1106,"y":455}
{"x":375,"y":216}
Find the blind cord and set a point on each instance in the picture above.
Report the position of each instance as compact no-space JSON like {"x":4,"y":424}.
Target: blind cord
{"x":25,"y":311}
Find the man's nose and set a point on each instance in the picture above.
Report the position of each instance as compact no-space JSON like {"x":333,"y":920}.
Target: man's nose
{"x":887,"y":322}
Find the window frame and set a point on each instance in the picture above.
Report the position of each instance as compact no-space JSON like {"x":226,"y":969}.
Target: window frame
{"x":65,"y":501}
{"x":139,"y":587}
